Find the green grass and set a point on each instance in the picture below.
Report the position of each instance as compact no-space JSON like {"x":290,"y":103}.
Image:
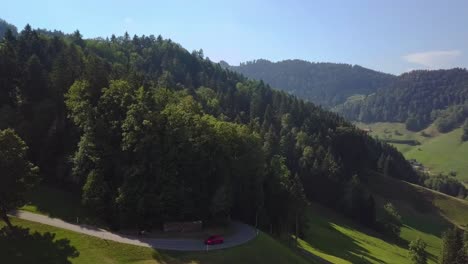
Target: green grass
{"x":444,"y":153}
{"x":338,"y":240}
{"x":263,"y":249}
{"x":425,"y":214}
{"x":440,"y":152}
{"x":432,"y":211}
{"x":66,"y":205}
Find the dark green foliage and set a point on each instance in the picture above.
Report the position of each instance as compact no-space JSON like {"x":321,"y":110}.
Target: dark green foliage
{"x":453,"y":247}
{"x":416,"y":98}
{"x":17,"y":174}
{"x":327,"y":84}
{"x":358,"y":203}
{"x":450,"y":118}
{"x":156,"y":133}
{"x":445,"y":184}
{"x":391,"y":220}
{"x":413,"y":124}
{"x":465,"y":131}
{"x":5,"y":26}
{"x":20,"y":246}
{"x":417,"y":251}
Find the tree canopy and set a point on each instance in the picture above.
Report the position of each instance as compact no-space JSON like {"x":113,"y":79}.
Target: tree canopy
{"x":17,"y":174}
{"x":417,"y":98}
{"x":326,"y":84}
{"x":156,"y":133}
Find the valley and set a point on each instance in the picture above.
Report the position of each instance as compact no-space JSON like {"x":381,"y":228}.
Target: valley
{"x":438,"y":152}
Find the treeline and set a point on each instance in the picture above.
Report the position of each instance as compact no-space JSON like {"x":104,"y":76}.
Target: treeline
{"x":150,"y":133}
{"x":465,"y":131}
{"x":448,"y":119}
{"x":445,"y":184}
{"x":417,"y":98}
{"x":454,"y":247}
{"x":326,"y":84}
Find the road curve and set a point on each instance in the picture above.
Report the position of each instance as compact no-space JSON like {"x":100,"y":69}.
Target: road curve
{"x":242,"y":234}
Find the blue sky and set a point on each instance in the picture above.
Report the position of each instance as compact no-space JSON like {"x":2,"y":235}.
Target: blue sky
{"x":391,"y":36}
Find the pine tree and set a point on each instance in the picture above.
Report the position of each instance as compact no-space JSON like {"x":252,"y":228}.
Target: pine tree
{"x":417,"y":251}
{"x":452,"y":243}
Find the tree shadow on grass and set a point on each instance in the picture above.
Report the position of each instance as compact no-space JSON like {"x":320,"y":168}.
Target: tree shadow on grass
{"x":325,"y":237}
{"x":22,"y":247}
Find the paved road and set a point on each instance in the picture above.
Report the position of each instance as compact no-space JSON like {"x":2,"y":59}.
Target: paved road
{"x":242,"y":234}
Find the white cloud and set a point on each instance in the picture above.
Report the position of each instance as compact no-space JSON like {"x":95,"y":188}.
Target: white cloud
{"x":128,"y":20}
{"x":434,"y":59}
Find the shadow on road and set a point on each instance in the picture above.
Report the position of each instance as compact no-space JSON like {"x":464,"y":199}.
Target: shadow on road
{"x":22,"y":247}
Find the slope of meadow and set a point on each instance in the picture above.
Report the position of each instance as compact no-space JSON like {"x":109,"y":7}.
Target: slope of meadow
{"x":425,"y":214}
{"x":439,"y":152}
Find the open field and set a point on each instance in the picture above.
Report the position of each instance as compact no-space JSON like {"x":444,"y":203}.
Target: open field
{"x":439,"y":152}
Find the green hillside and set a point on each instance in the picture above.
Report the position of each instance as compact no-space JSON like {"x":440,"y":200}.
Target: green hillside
{"x":439,"y":152}
{"x":425,"y":214}
{"x":328,"y":235}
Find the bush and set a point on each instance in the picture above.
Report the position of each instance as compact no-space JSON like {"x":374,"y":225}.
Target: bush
{"x":417,"y":251}
{"x":391,"y":220}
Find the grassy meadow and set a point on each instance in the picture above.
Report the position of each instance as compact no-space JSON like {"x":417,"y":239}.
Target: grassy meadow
{"x":425,"y":214}
{"x":439,"y":152}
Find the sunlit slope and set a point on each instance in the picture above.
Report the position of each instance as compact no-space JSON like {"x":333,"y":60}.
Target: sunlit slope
{"x":425,"y":214}
{"x":439,"y":152}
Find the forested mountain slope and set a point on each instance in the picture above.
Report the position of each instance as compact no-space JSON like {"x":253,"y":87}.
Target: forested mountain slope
{"x":417,"y":98}
{"x":151,"y":132}
{"x":326,"y":84}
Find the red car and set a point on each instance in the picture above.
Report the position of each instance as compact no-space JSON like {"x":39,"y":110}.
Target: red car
{"x":213,"y":240}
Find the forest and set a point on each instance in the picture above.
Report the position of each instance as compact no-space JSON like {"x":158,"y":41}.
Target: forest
{"x":148,"y":132}
{"x":417,"y":98}
{"x":325,"y":84}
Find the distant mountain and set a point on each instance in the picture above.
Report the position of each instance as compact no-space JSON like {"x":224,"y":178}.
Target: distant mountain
{"x":417,"y":98}
{"x":327,"y":84}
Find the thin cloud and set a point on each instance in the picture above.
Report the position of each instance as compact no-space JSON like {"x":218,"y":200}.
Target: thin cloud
{"x":434,"y":59}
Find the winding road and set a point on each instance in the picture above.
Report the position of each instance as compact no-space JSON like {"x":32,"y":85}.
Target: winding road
{"x":242,"y":234}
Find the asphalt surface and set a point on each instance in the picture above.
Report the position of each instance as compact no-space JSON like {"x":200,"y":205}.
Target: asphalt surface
{"x":242,"y":234}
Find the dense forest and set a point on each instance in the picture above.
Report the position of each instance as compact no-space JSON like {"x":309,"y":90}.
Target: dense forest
{"x":417,"y":98}
{"x":149,"y":132}
{"x":326,"y":84}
